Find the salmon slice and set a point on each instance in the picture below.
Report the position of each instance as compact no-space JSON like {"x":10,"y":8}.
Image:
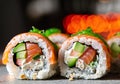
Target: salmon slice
{"x":88,"y":55}
{"x":32,"y":50}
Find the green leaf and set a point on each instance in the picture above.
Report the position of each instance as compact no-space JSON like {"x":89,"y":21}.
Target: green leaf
{"x":50,"y":31}
{"x":45,"y":33}
{"x":35,"y":30}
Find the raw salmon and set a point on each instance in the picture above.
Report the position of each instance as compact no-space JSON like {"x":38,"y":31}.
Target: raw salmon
{"x":32,"y":50}
{"x":88,"y":55}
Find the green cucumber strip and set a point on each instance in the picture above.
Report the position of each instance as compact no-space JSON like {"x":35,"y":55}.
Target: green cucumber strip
{"x":79,"y":47}
{"x":115,"y":48}
{"x":19,"y":47}
{"x":71,"y":62}
{"x":21,"y":55}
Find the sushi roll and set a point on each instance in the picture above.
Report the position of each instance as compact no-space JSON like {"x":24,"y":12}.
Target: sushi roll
{"x":84,"y":56}
{"x":58,"y":38}
{"x":30,"y":56}
{"x":114,"y":44}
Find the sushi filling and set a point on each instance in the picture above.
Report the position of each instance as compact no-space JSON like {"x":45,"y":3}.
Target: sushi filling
{"x":29,"y":58}
{"x":28,"y":54}
{"x":25,"y":52}
{"x":82,"y":57}
{"x":115,"y":48}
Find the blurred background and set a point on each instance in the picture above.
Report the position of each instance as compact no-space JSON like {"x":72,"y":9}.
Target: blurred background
{"x":17,"y":16}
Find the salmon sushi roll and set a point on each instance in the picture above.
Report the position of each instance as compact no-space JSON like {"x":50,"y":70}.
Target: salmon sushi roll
{"x":58,"y":38}
{"x":30,"y":56}
{"x":84,"y":56}
{"x":114,"y":44}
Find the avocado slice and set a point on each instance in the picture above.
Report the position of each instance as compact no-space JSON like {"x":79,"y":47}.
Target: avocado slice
{"x":21,"y":55}
{"x":19,"y":47}
{"x":71,"y":61}
{"x":115,"y":49}
{"x":78,"y":47}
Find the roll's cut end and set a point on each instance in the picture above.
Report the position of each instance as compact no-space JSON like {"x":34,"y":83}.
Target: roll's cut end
{"x":30,"y":56}
{"x":90,"y":60}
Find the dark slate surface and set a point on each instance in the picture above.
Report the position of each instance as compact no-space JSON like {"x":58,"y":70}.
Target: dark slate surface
{"x":5,"y":78}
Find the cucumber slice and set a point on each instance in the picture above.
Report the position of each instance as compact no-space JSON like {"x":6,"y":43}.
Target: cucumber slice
{"x":19,"y":47}
{"x":71,"y":61}
{"x":115,"y":49}
{"x":79,"y":47}
{"x":21,"y":55}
